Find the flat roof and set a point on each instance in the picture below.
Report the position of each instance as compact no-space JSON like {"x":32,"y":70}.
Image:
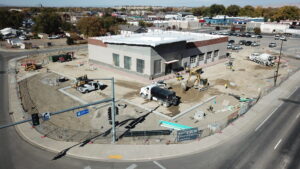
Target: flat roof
{"x":157,"y":38}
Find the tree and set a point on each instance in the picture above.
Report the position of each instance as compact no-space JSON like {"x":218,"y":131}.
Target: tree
{"x":91,"y":26}
{"x":259,"y":11}
{"x":202,"y":11}
{"x":233,"y":10}
{"x":70,"y":41}
{"x":216,"y":9}
{"x":287,"y":12}
{"x":66,"y":26}
{"x":11,"y":19}
{"x":257,"y":30}
{"x":96,"y":26}
{"x":47,"y":22}
{"x":142,"y":23}
{"x":247,"y":10}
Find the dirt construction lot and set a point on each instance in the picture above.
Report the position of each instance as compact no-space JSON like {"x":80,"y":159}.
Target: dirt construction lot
{"x":41,"y":92}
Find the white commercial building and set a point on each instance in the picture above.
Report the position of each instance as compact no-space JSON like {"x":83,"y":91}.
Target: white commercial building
{"x":274,"y":27}
{"x":158,"y":53}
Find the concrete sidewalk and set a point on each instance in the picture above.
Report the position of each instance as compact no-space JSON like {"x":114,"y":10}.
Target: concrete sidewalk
{"x":110,"y":152}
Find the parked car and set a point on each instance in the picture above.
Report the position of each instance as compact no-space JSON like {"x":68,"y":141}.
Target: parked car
{"x":248,"y":35}
{"x":248,"y":43}
{"x":237,"y":47}
{"x":231,"y":41}
{"x":282,"y":38}
{"x":54,"y":37}
{"x":242,"y":42}
{"x":232,"y":34}
{"x":259,"y":36}
{"x":229,"y":46}
{"x":276,"y":37}
{"x":23,"y":37}
{"x":255,"y":44}
{"x":272,"y":45}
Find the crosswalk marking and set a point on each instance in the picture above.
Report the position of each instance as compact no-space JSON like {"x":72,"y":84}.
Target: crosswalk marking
{"x":132,"y":166}
{"x":159,"y":165}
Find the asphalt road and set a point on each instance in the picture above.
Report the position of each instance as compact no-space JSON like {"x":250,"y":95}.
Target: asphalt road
{"x":274,"y":143}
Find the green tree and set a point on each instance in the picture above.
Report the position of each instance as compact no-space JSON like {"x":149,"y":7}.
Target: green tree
{"x":257,"y":30}
{"x":268,"y":13}
{"x":142,"y":23}
{"x":66,"y":26}
{"x":287,"y":12}
{"x":47,"y":22}
{"x":11,"y":19}
{"x":259,"y":11}
{"x":216,"y":9}
{"x":201,"y":11}
{"x":247,"y":10}
{"x":233,"y":10}
{"x":91,"y":26}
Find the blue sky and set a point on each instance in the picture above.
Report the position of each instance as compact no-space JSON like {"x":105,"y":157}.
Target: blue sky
{"x":106,"y":3}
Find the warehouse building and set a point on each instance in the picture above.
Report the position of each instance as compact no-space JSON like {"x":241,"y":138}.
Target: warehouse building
{"x":156,"y":53}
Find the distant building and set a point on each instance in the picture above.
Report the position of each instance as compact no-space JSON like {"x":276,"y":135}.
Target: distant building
{"x":156,"y":54}
{"x":274,"y":27}
{"x":251,"y":25}
{"x":130,"y":29}
{"x":226,"y":20}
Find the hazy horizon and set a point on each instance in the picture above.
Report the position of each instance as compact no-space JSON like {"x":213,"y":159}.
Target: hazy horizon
{"x":170,"y":3}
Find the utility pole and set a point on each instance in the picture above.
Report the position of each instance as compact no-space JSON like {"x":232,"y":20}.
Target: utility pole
{"x":113,"y":108}
{"x":278,"y":63}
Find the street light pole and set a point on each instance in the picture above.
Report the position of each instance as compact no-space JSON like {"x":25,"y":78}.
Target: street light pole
{"x":113,"y":109}
{"x":277,"y":69}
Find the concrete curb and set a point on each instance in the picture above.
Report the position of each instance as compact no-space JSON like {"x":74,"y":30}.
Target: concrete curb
{"x":102,"y":152}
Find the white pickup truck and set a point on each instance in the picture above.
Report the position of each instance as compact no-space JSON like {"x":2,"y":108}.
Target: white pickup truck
{"x":90,"y":86}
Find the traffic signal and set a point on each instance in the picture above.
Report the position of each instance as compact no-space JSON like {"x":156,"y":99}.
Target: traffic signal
{"x":35,"y":119}
{"x":117,"y":110}
{"x":109,"y":114}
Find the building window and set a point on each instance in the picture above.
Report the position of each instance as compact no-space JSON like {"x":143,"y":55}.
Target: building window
{"x":127,"y":62}
{"x":116,"y":59}
{"x":193,"y":59}
{"x":216,"y":53}
{"x":201,"y":56}
{"x":208,"y":56}
{"x":157,"y":66}
{"x":140,"y":65}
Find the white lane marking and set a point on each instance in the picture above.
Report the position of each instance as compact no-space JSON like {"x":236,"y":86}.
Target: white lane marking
{"x":293,"y":92}
{"x":267,"y":117}
{"x":132,"y":166}
{"x":87,"y":167}
{"x":274,"y":111}
{"x":297,"y":116}
{"x":277,"y":144}
{"x":159,"y":165}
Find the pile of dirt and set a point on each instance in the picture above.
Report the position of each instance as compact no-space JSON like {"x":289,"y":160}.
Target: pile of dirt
{"x":27,"y":102}
{"x":192,"y":94}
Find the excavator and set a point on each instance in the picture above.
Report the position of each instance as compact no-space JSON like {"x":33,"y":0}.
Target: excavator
{"x":199,"y":83}
{"x":30,"y":66}
{"x":81,"y":80}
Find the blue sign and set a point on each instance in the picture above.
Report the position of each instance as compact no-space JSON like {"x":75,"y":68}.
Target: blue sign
{"x":187,"y":134}
{"x":82,"y":112}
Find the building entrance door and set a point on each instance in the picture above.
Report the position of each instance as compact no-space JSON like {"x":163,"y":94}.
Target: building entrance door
{"x":168,"y":68}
